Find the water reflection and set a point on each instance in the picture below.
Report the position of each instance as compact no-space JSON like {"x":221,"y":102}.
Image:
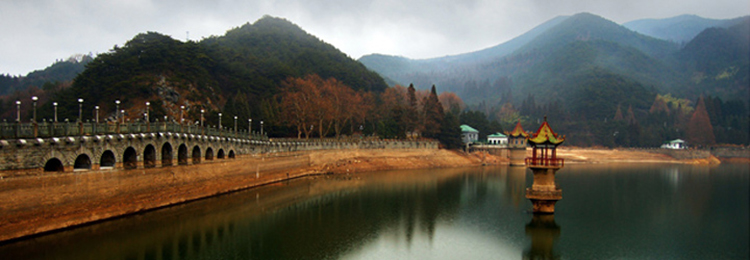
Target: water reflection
{"x":543,"y":232}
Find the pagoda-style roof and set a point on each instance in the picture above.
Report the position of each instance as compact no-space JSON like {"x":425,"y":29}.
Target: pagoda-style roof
{"x":545,"y":135}
{"x":518,"y":131}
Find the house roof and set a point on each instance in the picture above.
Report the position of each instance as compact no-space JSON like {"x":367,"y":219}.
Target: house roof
{"x":676,"y":141}
{"x":518,"y":131}
{"x":467,"y":128}
{"x":496,"y":135}
{"x":545,"y":135}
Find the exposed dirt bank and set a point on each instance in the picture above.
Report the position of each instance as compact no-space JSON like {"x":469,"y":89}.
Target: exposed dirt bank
{"x":594,"y":155}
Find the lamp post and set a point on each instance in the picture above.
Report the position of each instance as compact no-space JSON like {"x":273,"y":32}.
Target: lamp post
{"x":80,"y":110}
{"x":122,"y":112}
{"x":34,"y":99}
{"x":55,"y":105}
{"x":219,"y":120}
{"x":18,"y":111}
{"x":182,"y":110}
{"x":250,"y":126}
{"x":235,"y":124}
{"x":117,"y":110}
{"x":261,"y":127}
{"x":202,"y":111}
{"x":148,"y":105}
{"x":97,"y":114}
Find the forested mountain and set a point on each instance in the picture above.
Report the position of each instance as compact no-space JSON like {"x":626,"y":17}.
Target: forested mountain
{"x":680,"y":29}
{"x":583,"y":69}
{"x":59,"y":72}
{"x":238,"y":73}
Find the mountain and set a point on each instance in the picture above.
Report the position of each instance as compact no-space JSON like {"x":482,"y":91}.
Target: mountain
{"x":679,"y":29}
{"x":237,"y":73}
{"x":59,"y":72}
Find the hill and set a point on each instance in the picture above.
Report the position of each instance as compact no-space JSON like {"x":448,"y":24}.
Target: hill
{"x":59,"y":72}
{"x":237,"y":73}
{"x":680,"y":29}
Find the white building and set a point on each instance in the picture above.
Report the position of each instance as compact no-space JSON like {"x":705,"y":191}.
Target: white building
{"x":674,"y":144}
{"x":497,"y":139}
{"x":469,"y":134}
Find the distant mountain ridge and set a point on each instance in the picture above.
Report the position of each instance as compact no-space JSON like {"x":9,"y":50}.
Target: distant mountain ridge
{"x":679,"y":29}
{"x":559,"y":51}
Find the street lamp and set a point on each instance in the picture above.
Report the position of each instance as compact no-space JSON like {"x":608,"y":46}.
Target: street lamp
{"x":148,"y":104}
{"x":18,"y":111}
{"x":80,"y":110}
{"x":34,"y":99}
{"x":219,"y":120}
{"x":182,"y":110}
{"x":97,"y":114}
{"x":55,"y":105}
{"x":250,"y":126}
{"x":117,"y":110}
{"x":202,"y":111}
{"x":261,"y":127}
{"x":235,"y":124}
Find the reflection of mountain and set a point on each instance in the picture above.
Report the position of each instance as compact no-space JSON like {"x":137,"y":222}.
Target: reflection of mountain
{"x":543,"y":232}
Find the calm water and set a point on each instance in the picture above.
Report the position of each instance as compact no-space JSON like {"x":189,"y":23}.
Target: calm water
{"x":607,"y":212}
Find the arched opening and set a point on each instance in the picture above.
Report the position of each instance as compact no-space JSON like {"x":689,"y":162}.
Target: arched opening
{"x":220,"y":154}
{"x":196,"y":155}
{"x":130,"y":158}
{"x":149,"y":157}
{"x":83,"y":162}
{"x":209,"y":154}
{"x":108,"y":160}
{"x":182,"y":155}
{"x":231,"y":154}
{"x":54,"y":165}
{"x":166,"y":155}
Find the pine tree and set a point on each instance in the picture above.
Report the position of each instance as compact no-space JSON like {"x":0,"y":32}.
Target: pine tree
{"x":433,"y":115}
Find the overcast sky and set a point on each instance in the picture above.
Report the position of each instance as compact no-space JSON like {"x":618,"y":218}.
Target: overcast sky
{"x":35,"y":33}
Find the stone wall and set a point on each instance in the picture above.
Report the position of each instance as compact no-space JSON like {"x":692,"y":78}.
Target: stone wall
{"x":683,"y":154}
{"x":731,"y":152}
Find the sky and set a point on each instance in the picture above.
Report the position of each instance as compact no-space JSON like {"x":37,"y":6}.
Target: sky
{"x":36,"y":33}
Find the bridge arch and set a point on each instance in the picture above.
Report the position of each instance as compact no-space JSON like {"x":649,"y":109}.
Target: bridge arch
{"x":149,"y":156}
{"x":107,"y":160}
{"x":231,"y":154}
{"x":166,"y":154}
{"x":196,"y":155}
{"x":220,"y":154}
{"x":209,"y":154}
{"x":130,"y":158}
{"x":82,"y":162}
{"x":182,"y":155}
{"x":54,"y":165}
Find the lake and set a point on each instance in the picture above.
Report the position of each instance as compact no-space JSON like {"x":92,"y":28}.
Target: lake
{"x":608,"y":211}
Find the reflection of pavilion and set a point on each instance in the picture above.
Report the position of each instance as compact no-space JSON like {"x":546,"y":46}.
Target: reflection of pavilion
{"x":543,"y":232}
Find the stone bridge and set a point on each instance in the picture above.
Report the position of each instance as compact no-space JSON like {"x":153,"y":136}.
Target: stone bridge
{"x":32,"y":148}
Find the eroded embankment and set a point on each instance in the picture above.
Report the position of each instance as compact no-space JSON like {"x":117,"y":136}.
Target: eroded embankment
{"x":38,"y":204}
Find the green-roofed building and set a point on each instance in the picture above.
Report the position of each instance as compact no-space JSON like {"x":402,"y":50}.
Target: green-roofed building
{"x":497,"y":139}
{"x":469,"y":134}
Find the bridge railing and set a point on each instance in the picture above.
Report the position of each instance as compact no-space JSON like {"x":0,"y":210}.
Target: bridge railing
{"x":60,"y":129}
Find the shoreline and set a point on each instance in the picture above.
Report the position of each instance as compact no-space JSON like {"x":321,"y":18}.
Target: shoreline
{"x":37,"y":205}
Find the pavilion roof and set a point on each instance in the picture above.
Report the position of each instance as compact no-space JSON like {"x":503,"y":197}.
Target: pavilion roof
{"x":546,"y":135}
{"x":518,"y":131}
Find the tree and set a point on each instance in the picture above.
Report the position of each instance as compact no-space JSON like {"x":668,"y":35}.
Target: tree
{"x":450,"y":132}
{"x":699,"y":129}
{"x":432,"y":115}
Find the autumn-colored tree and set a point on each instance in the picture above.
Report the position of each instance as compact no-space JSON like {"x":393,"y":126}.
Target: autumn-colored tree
{"x":699,"y":130}
{"x":411,"y":115}
{"x":451,"y":102}
{"x":300,"y":101}
{"x":618,"y":115}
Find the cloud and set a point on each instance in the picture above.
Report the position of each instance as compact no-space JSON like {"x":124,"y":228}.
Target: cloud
{"x":37,"y":32}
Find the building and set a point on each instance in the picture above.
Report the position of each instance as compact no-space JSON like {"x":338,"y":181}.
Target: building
{"x":544,"y":163}
{"x":469,"y":134}
{"x":517,"y":145}
{"x":674,"y":144}
{"x":497,"y":139}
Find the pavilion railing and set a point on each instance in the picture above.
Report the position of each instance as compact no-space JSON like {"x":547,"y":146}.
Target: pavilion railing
{"x":556,"y":162}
